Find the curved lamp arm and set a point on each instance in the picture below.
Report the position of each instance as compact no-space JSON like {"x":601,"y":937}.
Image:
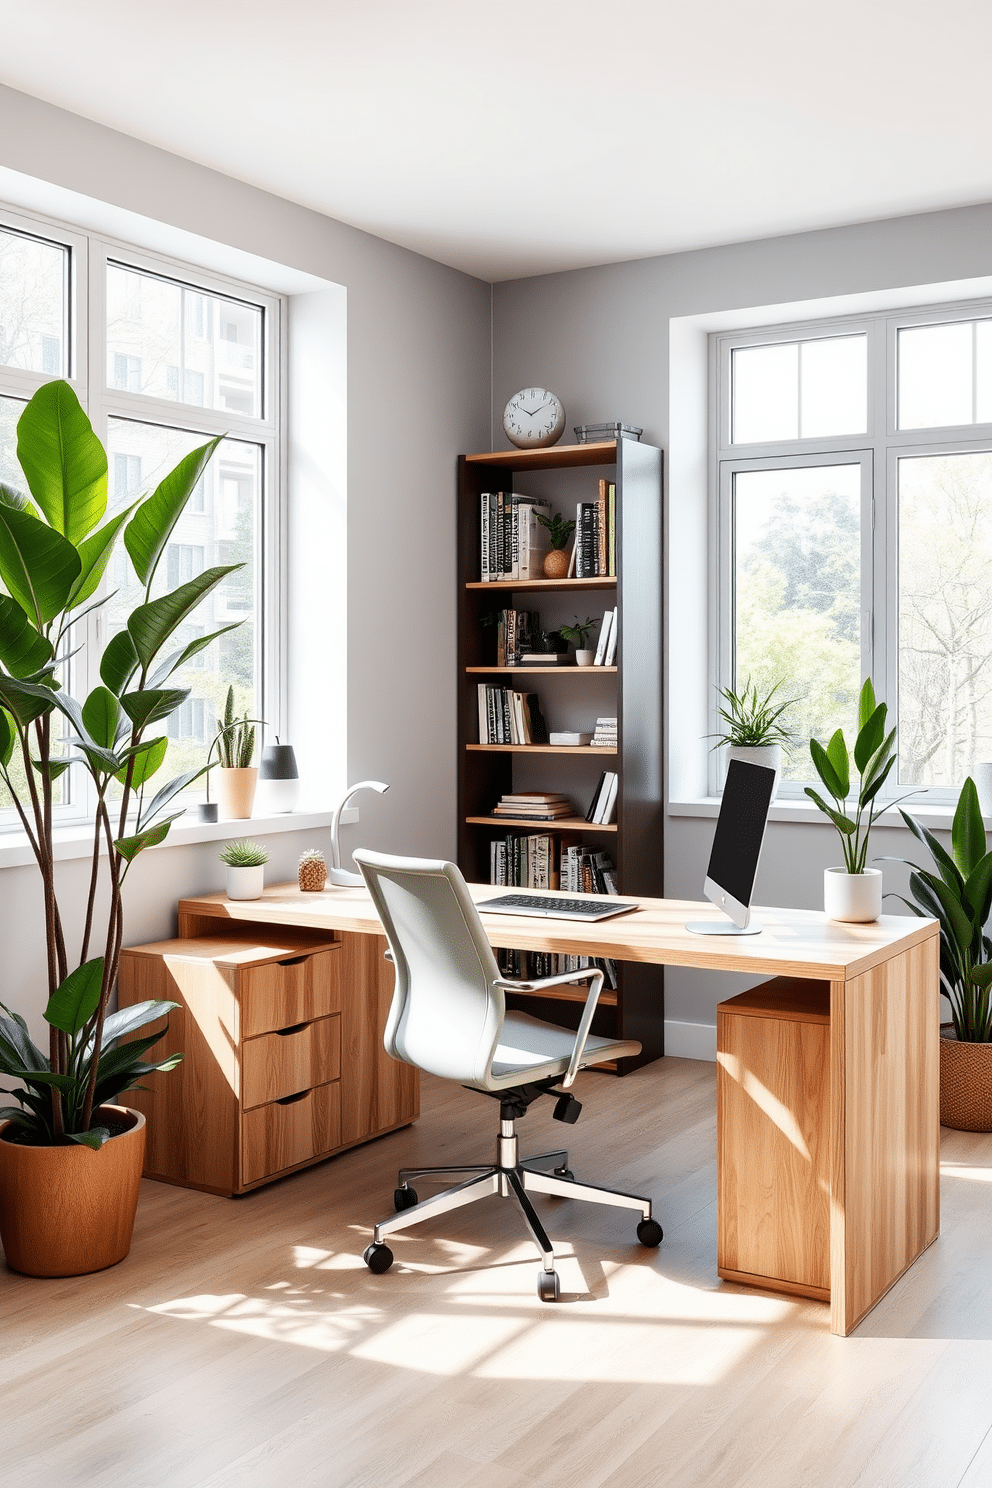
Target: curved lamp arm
{"x":335,"y":873}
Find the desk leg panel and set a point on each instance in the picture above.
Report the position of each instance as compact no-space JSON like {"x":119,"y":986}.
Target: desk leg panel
{"x":378,"y":1093}
{"x":885,"y":1128}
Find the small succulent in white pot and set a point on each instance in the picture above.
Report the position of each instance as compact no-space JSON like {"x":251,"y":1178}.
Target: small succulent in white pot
{"x":245,"y":862}
{"x":753,"y":727}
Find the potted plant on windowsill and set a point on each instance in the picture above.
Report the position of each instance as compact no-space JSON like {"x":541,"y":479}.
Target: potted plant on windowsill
{"x":754,"y":731}
{"x":959,"y":896}
{"x":70,"y":1160}
{"x":245,"y":861}
{"x":854,"y":892}
{"x":236,"y":775}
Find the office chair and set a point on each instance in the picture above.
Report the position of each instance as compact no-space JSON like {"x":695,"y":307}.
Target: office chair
{"x":448,"y":1016}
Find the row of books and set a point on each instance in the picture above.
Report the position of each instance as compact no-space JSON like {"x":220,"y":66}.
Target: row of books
{"x":508,"y":717}
{"x":605,"y":736}
{"x":606,"y":646}
{"x":525,"y":862}
{"x":603,"y":806}
{"x":517,"y":635}
{"x":514,"y":542}
{"x":521,"y":862}
{"x":535,"y":805}
{"x":596,"y":534}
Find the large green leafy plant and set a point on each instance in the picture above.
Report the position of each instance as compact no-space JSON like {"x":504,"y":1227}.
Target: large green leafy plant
{"x":55,"y":544}
{"x":874,"y":757}
{"x":959,"y":896}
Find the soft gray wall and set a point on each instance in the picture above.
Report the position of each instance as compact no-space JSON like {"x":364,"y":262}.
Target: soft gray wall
{"x":600,"y":339}
{"x":418,"y":393}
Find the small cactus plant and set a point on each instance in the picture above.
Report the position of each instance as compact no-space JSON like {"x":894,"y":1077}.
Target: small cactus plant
{"x":244,"y":853}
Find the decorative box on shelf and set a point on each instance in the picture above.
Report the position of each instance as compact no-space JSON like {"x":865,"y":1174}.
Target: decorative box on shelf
{"x":594,"y":433}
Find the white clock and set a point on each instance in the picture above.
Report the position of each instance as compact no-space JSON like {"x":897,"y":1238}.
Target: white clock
{"x":533,"y":418}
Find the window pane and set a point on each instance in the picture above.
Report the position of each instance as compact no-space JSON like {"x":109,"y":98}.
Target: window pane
{"x":797,"y":583}
{"x":170,"y":341}
{"x":765,"y":393}
{"x":10,"y":472}
{"x":33,"y":304}
{"x":983,"y":372}
{"x":935,"y":375}
{"x":221,"y":524}
{"x":834,"y":387}
{"x":945,"y":617}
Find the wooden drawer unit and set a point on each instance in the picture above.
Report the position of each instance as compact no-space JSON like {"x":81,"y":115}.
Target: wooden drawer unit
{"x":287,"y":1133}
{"x":296,"y":989}
{"x":275,"y":1066}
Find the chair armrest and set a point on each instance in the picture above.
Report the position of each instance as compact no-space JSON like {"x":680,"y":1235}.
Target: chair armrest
{"x":594,"y":976}
{"x":387,"y":955}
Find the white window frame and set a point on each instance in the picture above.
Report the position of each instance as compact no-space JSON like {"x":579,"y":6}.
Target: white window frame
{"x":883,"y":445}
{"x":89,"y":254}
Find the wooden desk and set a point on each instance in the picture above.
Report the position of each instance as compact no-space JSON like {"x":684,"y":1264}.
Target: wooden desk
{"x":883,"y":988}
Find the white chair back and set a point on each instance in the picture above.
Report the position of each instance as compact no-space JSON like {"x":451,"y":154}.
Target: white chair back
{"x":446,"y":1012}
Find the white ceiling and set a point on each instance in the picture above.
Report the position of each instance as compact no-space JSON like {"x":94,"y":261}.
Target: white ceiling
{"x":513,"y":137}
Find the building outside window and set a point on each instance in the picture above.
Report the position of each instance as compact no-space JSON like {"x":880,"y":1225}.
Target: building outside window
{"x":853,"y":530}
{"x":175,"y":357}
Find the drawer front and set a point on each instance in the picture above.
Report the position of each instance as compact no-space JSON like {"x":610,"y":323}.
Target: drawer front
{"x":296,"y":990}
{"x":275,"y":1065}
{"x":285,"y":1133}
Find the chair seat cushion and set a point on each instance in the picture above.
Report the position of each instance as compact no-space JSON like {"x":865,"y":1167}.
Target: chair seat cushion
{"x":529,"y":1048}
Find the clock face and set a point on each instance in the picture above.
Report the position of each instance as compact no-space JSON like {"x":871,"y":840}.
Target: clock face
{"x":533,"y":418}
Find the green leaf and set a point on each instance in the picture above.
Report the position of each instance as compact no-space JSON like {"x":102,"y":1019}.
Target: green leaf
{"x":870,"y":736}
{"x":8,"y":738}
{"x":130,"y":847}
{"x":94,"y":554}
{"x":152,"y":624}
{"x":98,"y":758}
{"x":128,"y":1020}
{"x":53,"y":768}
{"x":179,"y":658}
{"x":825,"y":769}
{"x":147,"y":759}
{"x":148,"y":705}
{"x":64,"y":462}
{"x":76,"y":1000}
{"x":982,"y":975}
{"x":37,"y":564}
{"x":958,"y":922}
{"x":22,"y":650}
{"x":151,"y":526}
{"x":95,"y":1137}
{"x":841,"y":822}
{"x":102,"y":716}
{"x":977,"y":893}
{"x":17,"y":1049}
{"x":25,"y":700}
{"x":868,"y":793}
{"x":839,"y":759}
{"x":866,"y":704}
{"x":119,"y":662}
{"x":168,"y":791}
{"x":945,"y":863}
{"x":968,"y":830}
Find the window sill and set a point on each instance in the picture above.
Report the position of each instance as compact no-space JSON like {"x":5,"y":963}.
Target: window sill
{"x":76,"y":841}
{"x":937,"y":816}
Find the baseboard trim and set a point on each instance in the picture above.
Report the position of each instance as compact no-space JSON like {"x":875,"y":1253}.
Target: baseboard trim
{"x":690,"y":1040}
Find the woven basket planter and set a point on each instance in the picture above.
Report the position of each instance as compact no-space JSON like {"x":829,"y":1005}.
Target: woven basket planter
{"x":965,"y":1083}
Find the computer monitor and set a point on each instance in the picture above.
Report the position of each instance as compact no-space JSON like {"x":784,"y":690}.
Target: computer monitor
{"x":740,"y":831}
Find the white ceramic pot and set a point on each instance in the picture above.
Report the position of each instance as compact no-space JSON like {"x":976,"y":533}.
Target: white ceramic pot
{"x":245,"y":883}
{"x":767,"y":755}
{"x":585,"y":658}
{"x":277,"y":796}
{"x":855,"y":897}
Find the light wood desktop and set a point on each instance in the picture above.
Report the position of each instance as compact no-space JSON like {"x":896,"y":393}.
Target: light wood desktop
{"x":882,"y":980}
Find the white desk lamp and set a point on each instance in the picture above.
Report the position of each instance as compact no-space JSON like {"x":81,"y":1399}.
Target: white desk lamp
{"x":335,"y":873}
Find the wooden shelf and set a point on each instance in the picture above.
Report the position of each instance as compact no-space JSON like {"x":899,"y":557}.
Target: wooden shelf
{"x":543,"y":586}
{"x":572,"y":994}
{"x":542,"y":748}
{"x":563,"y":824}
{"x":538,"y":671}
{"x":557,"y":457}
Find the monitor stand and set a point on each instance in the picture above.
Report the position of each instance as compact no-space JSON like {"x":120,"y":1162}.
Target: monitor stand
{"x":723,"y":927}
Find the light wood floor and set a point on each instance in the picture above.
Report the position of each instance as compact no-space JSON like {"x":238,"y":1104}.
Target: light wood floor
{"x":243,"y":1344}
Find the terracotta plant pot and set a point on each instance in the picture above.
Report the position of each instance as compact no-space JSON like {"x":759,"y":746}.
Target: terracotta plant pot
{"x":66,"y":1211}
{"x":236,"y":793}
{"x":965,"y":1083}
{"x":556,"y":564}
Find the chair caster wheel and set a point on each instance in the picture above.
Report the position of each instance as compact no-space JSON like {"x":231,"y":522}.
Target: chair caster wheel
{"x":404,"y":1198}
{"x":548,"y":1286}
{"x":565,"y":1173}
{"x":650,"y":1233}
{"x":378,"y":1258}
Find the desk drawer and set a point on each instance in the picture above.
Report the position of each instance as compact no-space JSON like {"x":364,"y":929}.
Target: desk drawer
{"x":275,"y":1065}
{"x":295,"y":990}
{"x":289,"y":1132}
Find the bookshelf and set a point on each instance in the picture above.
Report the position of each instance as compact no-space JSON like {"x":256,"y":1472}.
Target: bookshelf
{"x":632,"y":689}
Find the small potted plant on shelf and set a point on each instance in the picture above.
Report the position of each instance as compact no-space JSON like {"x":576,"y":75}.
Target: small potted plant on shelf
{"x":71,"y":1159}
{"x":556,"y":560}
{"x":959,"y":896}
{"x":854,"y":892}
{"x":754,"y":731}
{"x":579,"y":634}
{"x":236,"y":775}
{"x":245,"y":868}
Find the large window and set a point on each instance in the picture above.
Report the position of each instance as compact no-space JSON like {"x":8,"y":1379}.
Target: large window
{"x":163,"y":357}
{"x":853,"y":529}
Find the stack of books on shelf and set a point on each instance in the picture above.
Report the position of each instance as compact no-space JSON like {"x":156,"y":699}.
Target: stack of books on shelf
{"x":535,"y":805}
{"x":514,"y":542}
{"x":605,"y":736}
{"x":507,"y":717}
{"x":603,"y":806}
{"x":586,"y":872}
{"x":578,"y":870}
{"x":520,"y":862}
{"x":596,"y":534}
{"x":606,"y":646}
{"x":517,"y":632}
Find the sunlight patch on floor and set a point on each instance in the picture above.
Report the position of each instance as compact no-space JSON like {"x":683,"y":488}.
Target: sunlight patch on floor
{"x":976,"y":1175}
